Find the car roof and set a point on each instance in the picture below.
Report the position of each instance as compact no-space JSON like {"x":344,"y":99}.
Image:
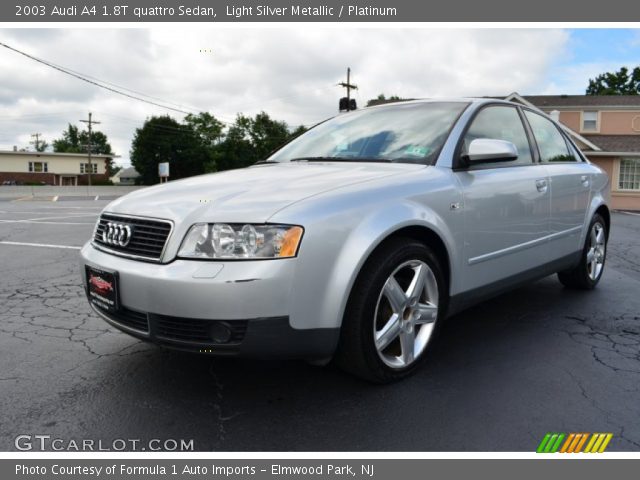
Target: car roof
{"x":472,"y":100}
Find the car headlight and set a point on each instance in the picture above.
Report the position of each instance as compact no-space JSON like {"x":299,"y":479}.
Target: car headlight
{"x":238,"y":241}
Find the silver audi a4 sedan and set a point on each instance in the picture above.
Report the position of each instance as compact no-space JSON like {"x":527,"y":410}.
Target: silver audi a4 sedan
{"x":355,"y":241}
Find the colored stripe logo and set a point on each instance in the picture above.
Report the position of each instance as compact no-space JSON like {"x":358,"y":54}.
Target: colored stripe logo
{"x":574,"y":443}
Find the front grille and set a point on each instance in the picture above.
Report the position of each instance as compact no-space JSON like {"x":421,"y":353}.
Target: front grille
{"x":148,"y":236}
{"x":128,"y":318}
{"x":195,"y":330}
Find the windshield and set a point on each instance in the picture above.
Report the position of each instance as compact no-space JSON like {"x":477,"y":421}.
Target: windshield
{"x":409,"y":133}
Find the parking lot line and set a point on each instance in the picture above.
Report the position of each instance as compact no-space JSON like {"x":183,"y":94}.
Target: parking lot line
{"x":47,"y":223}
{"x":65,"y":217}
{"x":20,"y":212}
{"x":44,"y":245}
{"x":71,"y":206}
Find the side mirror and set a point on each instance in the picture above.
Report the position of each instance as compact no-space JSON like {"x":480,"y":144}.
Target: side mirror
{"x":485,"y":150}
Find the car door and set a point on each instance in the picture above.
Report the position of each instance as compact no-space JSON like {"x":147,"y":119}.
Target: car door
{"x":570,"y":185}
{"x":506,"y":204}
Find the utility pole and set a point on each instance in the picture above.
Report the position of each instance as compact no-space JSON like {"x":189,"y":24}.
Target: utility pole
{"x":90,"y":144}
{"x":349,"y":86}
{"x":36,"y":142}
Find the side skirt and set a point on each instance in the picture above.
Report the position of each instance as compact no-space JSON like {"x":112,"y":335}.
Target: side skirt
{"x":464,"y":300}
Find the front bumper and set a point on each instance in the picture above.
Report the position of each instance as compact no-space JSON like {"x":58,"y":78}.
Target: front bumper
{"x":217,"y":308}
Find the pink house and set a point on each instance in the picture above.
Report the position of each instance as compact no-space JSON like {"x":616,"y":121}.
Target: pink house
{"x":607,"y":130}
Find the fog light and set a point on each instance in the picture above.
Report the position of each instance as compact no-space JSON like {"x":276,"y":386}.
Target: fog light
{"x":220,"y":332}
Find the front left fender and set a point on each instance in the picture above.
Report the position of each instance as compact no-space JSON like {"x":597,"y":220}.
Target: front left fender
{"x":335,"y":250}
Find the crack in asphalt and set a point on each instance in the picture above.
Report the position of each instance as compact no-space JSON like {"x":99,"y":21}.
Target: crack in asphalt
{"x":217,"y":406}
{"x":52,"y":310}
{"x":622,"y":341}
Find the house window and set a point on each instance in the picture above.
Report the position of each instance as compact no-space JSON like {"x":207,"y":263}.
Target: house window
{"x":589,"y":121}
{"x":38,"y":167}
{"x":84,"y":168}
{"x":629,"y":178}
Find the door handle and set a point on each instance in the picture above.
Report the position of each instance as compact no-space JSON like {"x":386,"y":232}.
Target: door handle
{"x":584,"y":179}
{"x":542,"y":185}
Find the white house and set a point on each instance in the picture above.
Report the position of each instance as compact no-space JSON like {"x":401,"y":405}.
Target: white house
{"x":125,"y":176}
{"x":51,"y":168}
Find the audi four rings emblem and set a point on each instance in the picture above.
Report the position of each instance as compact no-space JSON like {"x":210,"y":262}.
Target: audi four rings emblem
{"x":118,"y":234}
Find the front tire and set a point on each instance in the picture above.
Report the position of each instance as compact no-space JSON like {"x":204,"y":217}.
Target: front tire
{"x":393,"y":311}
{"x":587,"y":274}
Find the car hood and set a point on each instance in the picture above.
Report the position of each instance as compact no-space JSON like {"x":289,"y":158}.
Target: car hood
{"x":250,"y":194}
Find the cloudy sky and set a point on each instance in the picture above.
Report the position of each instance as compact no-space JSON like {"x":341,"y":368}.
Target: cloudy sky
{"x":291,"y":73}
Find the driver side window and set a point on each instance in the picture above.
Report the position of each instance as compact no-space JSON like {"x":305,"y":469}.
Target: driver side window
{"x":501,"y":123}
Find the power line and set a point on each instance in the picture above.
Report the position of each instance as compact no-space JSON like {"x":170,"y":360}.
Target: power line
{"x":105,"y":85}
{"x":164,"y":101}
{"x":92,"y":82}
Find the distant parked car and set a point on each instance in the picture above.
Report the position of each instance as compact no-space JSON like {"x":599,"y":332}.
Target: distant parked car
{"x":355,"y":240}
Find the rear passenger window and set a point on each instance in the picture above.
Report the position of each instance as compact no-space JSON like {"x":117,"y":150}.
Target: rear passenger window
{"x":500,"y":123}
{"x":551,"y":143}
{"x":574,"y":151}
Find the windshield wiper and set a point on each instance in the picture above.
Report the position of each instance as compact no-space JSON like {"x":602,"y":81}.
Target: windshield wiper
{"x":340,"y":159}
{"x":265,"y":162}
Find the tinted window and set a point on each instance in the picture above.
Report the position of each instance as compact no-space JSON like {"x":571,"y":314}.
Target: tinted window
{"x":500,"y":123}
{"x":410,"y":133}
{"x":551,"y":143}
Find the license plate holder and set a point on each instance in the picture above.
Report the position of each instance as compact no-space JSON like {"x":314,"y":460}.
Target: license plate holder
{"x":102,"y":288}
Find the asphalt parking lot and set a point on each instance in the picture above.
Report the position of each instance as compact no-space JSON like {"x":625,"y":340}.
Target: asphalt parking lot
{"x":540,"y":359}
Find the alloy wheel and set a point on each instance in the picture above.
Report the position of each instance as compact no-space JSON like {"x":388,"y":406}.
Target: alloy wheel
{"x":596,"y":251}
{"x":405,"y":314}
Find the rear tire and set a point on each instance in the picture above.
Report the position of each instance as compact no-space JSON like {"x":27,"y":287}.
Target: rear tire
{"x":587,"y":274}
{"x":395,"y":307}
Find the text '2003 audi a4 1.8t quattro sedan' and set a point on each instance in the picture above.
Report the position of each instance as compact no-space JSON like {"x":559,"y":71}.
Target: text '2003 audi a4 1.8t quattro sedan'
{"x":354,"y":241}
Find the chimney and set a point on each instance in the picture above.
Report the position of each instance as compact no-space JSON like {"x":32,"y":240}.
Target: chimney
{"x":555,"y":115}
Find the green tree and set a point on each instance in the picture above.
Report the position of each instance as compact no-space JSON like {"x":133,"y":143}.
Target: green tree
{"x":383,"y":99}
{"x":249,"y":140}
{"x":76,"y":141}
{"x":236,"y":151}
{"x":163,"y":139}
{"x":207,"y":127}
{"x":616,"y":83}
{"x":267,"y":134}
{"x":299,"y":130}
{"x":99,"y":141}
{"x":69,"y":142}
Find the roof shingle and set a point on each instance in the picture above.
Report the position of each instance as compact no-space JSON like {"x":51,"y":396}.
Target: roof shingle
{"x":616,"y":143}
{"x":546,"y":101}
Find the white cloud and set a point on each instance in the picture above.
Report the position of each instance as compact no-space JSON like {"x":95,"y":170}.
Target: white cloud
{"x":289,"y":72}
